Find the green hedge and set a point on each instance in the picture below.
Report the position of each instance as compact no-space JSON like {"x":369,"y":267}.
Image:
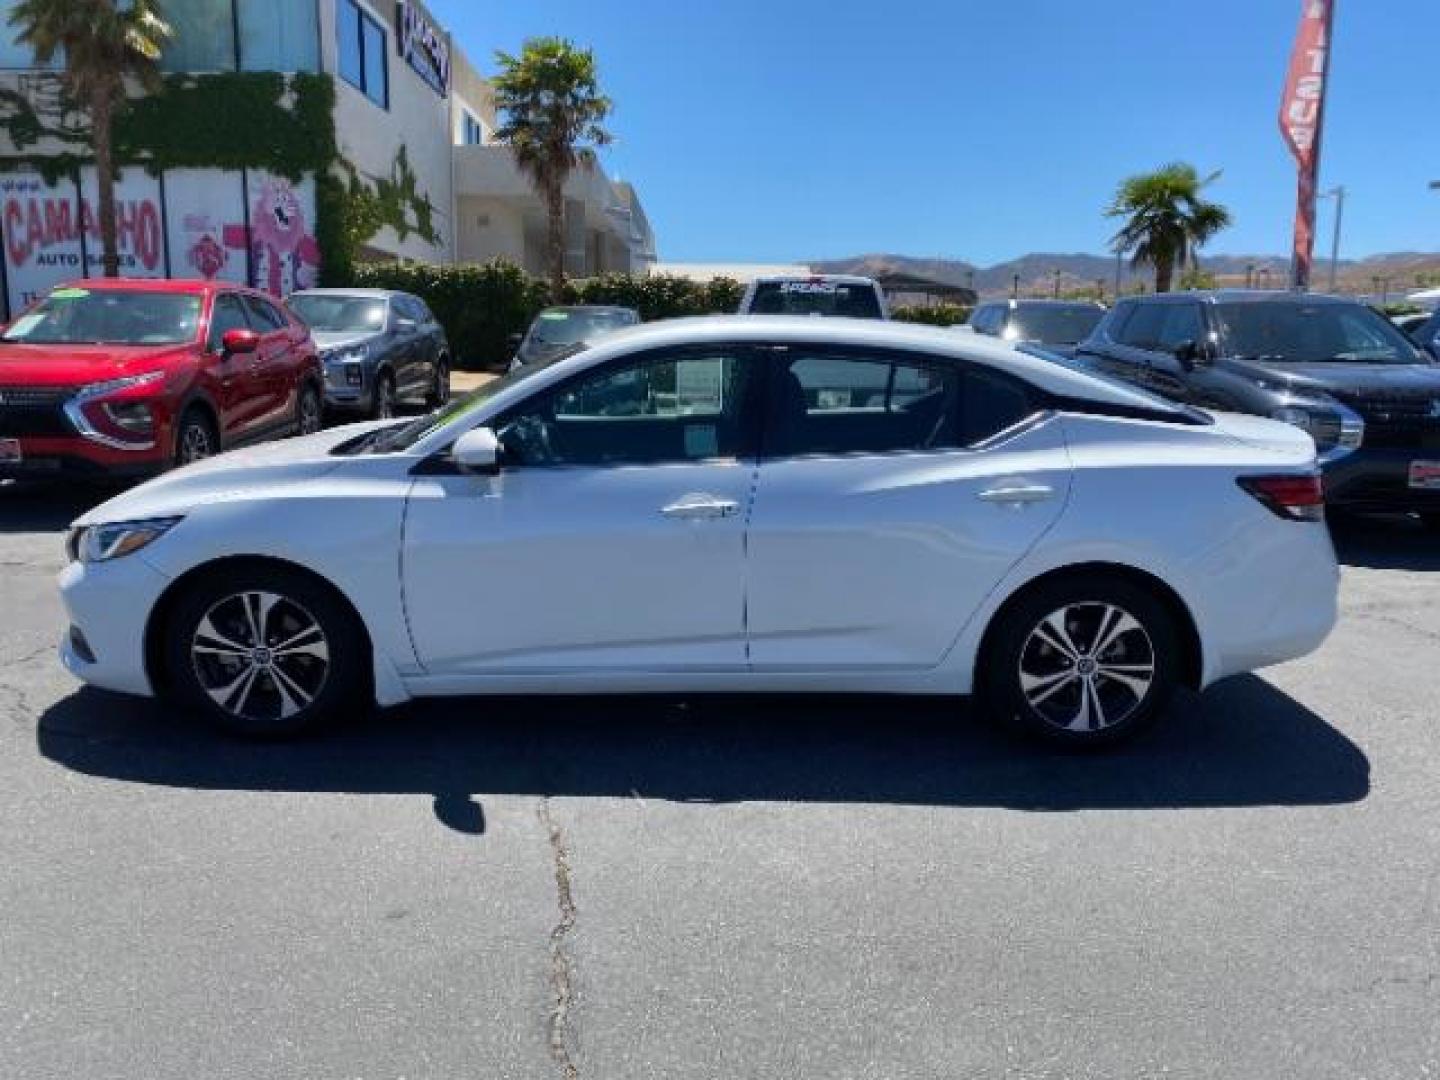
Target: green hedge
{"x":482,"y":306}
{"x":936,"y":315}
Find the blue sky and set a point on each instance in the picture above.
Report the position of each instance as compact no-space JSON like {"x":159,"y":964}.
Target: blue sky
{"x":766,"y":130}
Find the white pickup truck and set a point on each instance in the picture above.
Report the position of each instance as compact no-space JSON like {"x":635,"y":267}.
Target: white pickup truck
{"x":844,"y":295}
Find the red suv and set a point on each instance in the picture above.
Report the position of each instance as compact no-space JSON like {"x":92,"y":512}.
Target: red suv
{"x":120,"y":378}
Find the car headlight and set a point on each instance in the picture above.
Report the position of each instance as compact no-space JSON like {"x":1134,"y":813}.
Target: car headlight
{"x":1332,"y":427}
{"x":101,"y":543}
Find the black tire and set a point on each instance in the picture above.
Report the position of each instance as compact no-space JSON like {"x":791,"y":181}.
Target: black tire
{"x":195,"y":438}
{"x":309,"y":410}
{"x":258,"y":691}
{"x":440,"y":389}
{"x":383,"y":405}
{"x":1058,"y":687}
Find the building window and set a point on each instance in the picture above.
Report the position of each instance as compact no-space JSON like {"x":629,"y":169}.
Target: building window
{"x":204,"y":36}
{"x":363,"y":52}
{"x":472,"y":132}
{"x":277,"y":35}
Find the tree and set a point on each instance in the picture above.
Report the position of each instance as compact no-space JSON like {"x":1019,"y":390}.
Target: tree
{"x":1167,"y":219}
{"x":104,"y":43}
{"x":551,"y":106}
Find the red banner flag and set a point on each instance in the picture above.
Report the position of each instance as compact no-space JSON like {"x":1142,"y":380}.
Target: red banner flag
{"x":1302,"y":120}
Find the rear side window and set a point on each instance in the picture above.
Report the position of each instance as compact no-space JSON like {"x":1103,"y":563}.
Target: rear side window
{"x":811,"y":297}
{"x":831,"y":404}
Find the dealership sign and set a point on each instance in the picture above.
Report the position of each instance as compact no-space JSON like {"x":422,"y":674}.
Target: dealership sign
{"x":423,"y":46}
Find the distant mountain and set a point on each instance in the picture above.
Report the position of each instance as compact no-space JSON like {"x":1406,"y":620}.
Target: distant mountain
{"x":1406,"y":271}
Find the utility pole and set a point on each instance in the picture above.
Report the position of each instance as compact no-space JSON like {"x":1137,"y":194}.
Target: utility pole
{"x":1338,"y":194}
{"x":1119,"y":269}
{"x":1057,"y":283}
{"x":1015,"y":287}
{"x":1249,"y":275}
{"x":1100,"y":289}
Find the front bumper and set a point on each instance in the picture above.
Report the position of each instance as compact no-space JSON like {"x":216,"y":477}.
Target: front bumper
{"x":77,"y":458}
{"x":1378,"y":479}
{"x":109,"y":604}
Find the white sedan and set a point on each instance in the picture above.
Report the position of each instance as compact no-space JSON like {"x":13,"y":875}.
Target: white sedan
{"x":729,"y":504}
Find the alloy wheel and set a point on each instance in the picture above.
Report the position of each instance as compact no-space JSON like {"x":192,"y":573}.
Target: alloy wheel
{"x":310,"y":421}
{"x":194,"y":443}
{"x":384,"y":400}
{"x":1087,"y":666}
{"x":260,"y":656}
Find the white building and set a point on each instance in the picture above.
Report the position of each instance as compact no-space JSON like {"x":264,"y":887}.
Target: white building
{"x":413,"y":119}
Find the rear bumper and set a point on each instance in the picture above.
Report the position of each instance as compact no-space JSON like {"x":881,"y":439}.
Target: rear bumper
{"x":1375,"y":478}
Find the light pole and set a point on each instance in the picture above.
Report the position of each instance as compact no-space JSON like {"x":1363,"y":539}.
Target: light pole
{"x":1015,"y":287}
{"x":1338,"y":194}
{"x":1057,"y":283}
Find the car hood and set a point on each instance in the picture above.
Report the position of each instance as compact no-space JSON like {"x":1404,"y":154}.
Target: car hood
{"x":78,"y":365}
{"x":329,"y":340}
{"x":269,"y":466}
{"x":1418,"y":379}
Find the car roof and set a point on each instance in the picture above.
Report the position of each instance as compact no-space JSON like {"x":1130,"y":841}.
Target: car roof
{"x":591,"y":307}
{"x":359,"y":294}
{"x":158,"y":285}
{"x":1017,"y":302}
{"x":1243,"y":296}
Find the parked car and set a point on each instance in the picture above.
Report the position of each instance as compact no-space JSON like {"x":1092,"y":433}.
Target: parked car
{"x":118,"y":378}
{"x":559,"y":330}
{"x":381,"y":349}
{"x":1409,"y":324}
{"x":782,"y":505}
{"x":1059,"y":325}
{"x":1426,"y":333}
{"x":1332,"y":367}
{"x":844,"y":295}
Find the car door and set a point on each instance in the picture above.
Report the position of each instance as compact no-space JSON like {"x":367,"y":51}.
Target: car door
{"x":613,"y":537}
{"x":239,"y":399}
{"x":274,"y":365}
{"x":895,"y":491}
{"x":408,"y":333}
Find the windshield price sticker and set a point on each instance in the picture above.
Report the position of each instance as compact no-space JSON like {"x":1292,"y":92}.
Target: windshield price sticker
{"x":811,"y":288}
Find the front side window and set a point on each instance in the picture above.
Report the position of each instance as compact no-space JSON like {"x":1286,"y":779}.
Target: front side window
{"x":227,"y":314}
{"x":666,"y":407}
{"x":79,"y":316}
{"x":1142,"y":329}
{"x":1054,"y":324}
{"x":264,"y":315}
{"x":1301,"y":332}
{"x":1182,"y":324}
{"x":841,"y":404}
{"x":361,"y":51}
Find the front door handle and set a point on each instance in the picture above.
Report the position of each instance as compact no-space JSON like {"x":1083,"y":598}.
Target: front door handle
{"x":1017,"y":494}
{"x":700,"y":507}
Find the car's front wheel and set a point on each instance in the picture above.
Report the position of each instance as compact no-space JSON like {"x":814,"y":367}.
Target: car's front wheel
{"x":195,"y":438}
{"x":440,"y":389}
{"x":309,"y":411}
{"x":1082,"y":661}
{"x":265,"y":651}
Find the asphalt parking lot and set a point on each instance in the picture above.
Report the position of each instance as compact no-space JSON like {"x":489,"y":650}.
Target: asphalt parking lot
{"x":728,"y":888}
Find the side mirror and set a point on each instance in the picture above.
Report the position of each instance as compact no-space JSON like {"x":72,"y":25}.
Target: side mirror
{"x":477,"y":451}
{"x":239,"y":342}
{"x":1193,"y":354}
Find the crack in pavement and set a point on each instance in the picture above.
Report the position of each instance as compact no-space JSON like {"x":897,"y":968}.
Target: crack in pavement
{"x":562,"y":967}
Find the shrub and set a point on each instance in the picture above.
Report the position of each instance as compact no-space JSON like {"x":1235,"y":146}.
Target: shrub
{"x":482,"y":306}
{"x":934,"y":315}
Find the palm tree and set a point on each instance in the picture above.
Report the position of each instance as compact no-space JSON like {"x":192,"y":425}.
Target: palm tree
{"x":1167,"y":220}
{"x":104,"y":42}
{"x":552,"y":110}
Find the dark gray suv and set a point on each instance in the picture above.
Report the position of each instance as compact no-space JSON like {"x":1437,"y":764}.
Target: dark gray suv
{"x":1329,"y":365}
{"x":380,"y":349}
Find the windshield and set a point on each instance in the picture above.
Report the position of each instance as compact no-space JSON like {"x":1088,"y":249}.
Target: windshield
{"x":564,"y":326}
{"x":339,"y":313}
{"x":1314,"y":333}
{"x":806,"y":297}
{"x":1054,"y":324}
{"x":401,"y":437}
{"x":108,"y":317}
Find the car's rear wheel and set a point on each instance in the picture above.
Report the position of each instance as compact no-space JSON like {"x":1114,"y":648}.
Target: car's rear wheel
{"x":265,"y":652}
{"x":309,"y":411}
{"x":384,"y":407}
{"x":195,"y":438}
{"x":440,"y":391}
{"x":1082,"y":662}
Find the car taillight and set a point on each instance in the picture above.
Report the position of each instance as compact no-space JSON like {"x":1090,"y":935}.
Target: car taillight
{"x":1293,"y":496}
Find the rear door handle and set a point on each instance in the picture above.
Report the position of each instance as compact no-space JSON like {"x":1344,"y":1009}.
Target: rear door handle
{"x":1017,"y":494}
{"x":700,"y":507}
